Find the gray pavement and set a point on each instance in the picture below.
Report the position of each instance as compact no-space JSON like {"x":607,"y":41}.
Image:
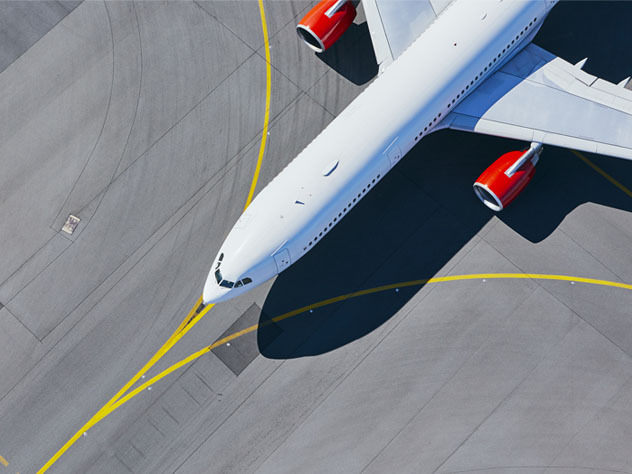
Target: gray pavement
{"x":144,"y":120}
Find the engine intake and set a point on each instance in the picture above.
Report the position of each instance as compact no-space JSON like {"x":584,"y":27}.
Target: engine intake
{"x":325,"y":23}
{"x":501,"y":183}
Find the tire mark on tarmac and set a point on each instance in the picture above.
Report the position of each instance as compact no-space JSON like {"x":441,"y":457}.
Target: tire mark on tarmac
{"x":199,"y":310}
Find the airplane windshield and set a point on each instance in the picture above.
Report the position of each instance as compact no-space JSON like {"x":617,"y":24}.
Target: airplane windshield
{"x":218,"y":275}
{"x":226,"y":284}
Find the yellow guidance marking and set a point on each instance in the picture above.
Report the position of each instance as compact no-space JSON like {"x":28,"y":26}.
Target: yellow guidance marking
{"x":187,"y":324}
{"x":602,"y":173}
{"x":4,"y":462}
{"x":198,"y":311}
{"x":355,"y":294}
{"x":266,"y":119}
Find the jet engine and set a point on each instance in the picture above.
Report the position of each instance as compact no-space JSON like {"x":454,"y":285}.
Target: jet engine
{"x":325,"y":23}
{"x":507,"y":177}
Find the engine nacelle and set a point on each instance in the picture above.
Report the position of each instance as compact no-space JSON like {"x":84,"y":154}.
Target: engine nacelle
{"x":507,"y":177}
{"x":325,"y":23}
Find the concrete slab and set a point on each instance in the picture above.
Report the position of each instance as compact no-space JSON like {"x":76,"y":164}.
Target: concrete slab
{"x":145,"y":119}
{"x":22,"y":24}
{"x":240,"y":17}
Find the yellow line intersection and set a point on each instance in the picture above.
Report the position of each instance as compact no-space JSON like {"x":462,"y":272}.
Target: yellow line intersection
{"x":199,"y":310}
{"x":356,"y":294}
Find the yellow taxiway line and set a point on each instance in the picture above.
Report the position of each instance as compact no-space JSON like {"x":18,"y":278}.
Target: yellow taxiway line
{"x":4,"y":462}
{"x":355,"y":294}
{"x":602,"y":173}
{"x":266,"y":119}
{"x":198,"y":311}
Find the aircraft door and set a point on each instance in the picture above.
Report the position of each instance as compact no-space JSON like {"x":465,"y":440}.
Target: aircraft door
{"x":393,"y":153}
{"x":282,"y":259}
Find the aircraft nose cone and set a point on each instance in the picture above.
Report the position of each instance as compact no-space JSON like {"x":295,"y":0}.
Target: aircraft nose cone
{"x":214,"y":293}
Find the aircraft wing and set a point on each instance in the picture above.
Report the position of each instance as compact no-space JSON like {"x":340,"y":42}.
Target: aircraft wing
{"x":395,"y":24}
{"x":539,"y":97}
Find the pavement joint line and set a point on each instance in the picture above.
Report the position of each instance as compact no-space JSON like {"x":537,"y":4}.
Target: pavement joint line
{"x":105,"y":119}
{"x":196,"y":314}
{"x":602,"y":172}
{"x":305,"y":309}
{"x":104,"y":191}
{"x":198,"y":310}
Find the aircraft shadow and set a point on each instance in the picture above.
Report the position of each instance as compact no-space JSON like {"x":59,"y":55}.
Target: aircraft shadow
{"x":395,"y":236}
{"x":424,"y":212}
{"x":352,"y":56}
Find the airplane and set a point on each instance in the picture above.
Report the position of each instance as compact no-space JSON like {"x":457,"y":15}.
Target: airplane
{"x":466,"y":65}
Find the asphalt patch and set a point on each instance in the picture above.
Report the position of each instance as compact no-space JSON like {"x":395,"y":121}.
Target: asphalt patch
{"x":240,"y":352}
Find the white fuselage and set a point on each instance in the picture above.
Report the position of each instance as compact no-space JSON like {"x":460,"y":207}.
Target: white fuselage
{"x":465,"y":44}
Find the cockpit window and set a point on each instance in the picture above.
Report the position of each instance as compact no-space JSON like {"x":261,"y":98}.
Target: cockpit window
{"x":221,"y":257}
{"x":238,"y":284}
{"x":218,"y":276}
{"x":226,"y":284}
{"x":246,"y":281}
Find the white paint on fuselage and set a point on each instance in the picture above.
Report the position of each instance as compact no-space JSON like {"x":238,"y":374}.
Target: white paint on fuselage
{"x":298,"y":207}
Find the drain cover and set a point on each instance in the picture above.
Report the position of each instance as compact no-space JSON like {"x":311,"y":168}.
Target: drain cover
{"x":71,"y":224}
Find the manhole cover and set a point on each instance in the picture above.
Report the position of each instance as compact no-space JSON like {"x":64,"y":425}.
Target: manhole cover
{"x":71,"y":224}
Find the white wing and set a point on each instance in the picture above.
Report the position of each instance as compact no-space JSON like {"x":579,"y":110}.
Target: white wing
{"x":395,"y":24}
{"x":539,"y":97}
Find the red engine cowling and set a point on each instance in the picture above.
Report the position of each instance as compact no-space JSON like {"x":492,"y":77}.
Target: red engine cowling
{"x":496,"y":188}
{"x":325,"y":23}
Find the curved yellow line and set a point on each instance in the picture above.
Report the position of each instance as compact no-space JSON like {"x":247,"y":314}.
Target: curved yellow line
{"x":192,"y":318}
{"x":266,"y":119}
{"x":355,"y":294}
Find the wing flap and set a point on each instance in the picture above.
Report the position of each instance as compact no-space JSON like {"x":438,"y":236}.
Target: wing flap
{"x":537,"y":96}
{"x":395,"y":24}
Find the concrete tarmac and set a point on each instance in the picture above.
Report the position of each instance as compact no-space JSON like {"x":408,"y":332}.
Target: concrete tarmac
{"x":144,"y":120}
